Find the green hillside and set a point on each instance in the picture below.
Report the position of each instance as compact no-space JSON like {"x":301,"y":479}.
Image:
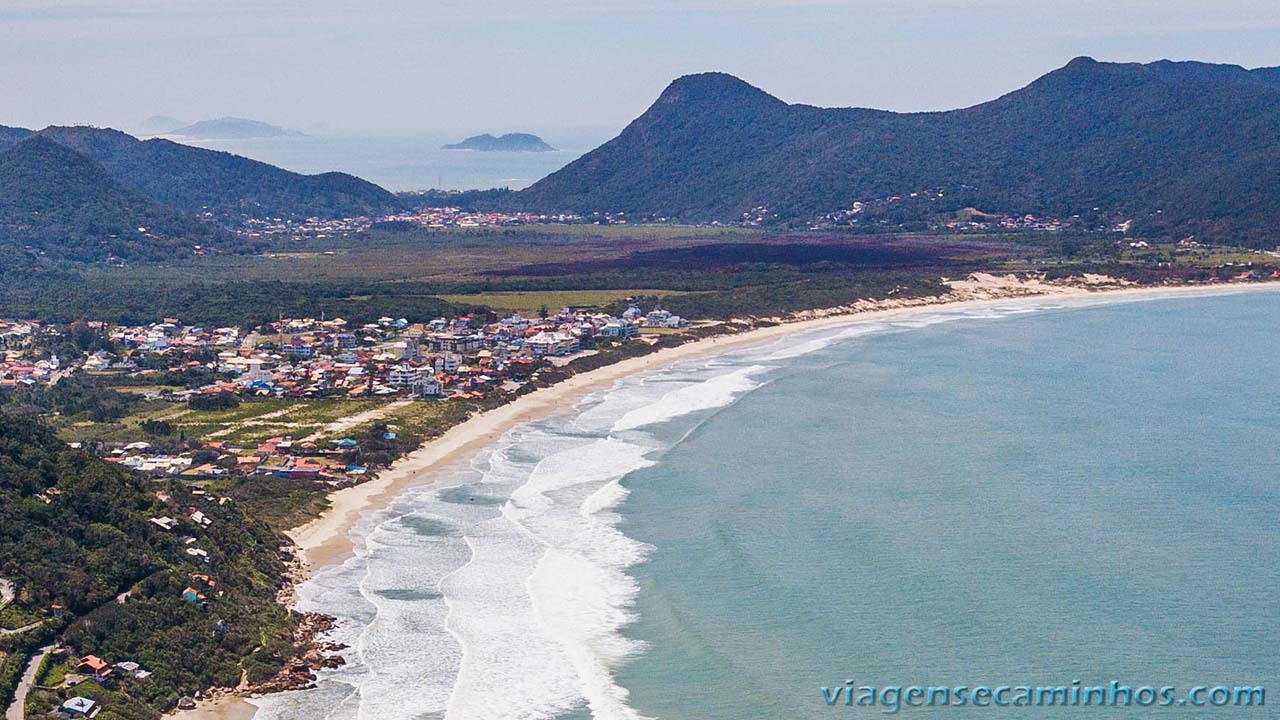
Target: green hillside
{"x":76,"y":532}
{"x":57,"y":203}
{"x":1177,"y":147}
{"x":195,"y":180}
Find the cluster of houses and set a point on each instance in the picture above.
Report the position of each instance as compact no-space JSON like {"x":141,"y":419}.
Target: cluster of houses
{"x":308,"y":357}
{"x":279,"y":457}
{"x":91,"y":668}
{"x":442,"y":217}
{"x":452,"y":217}
{"x":309,"y":228}
{"x":873,"y":211}
{"x":17,"y":370}
{"x":466,"y":356}
{"x":1009,"y":222}
{"x":19,"y":363}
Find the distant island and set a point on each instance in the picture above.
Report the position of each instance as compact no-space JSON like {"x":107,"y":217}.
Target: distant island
{"x":511,"y":142}
{"x":159,"y":125}
{"x":232,"y":128}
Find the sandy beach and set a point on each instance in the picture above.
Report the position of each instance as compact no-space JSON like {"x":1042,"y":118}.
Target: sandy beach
{"x":326,"y":540}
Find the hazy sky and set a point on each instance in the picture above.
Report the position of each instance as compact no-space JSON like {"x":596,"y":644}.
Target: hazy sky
{"x":546,"y":65}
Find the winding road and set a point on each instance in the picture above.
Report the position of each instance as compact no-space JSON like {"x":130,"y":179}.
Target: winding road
{"x":17,"y":708}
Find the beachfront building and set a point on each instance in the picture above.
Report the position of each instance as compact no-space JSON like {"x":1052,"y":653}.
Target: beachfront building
{"x":620,"y":329}
{"x":427,"y":387}
{"x":662,"y":319}
{"x":448,"y":342}
{"x":549,"y":344}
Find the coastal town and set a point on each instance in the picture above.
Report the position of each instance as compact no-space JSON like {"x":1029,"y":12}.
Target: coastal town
{"x":393,"y":360}
{"x":828,"y":340}
{"x":433,"y":218}
{"x":179,"y":386}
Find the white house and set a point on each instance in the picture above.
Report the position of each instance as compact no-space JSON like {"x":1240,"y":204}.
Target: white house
{"x":545,"y":344}
{"x":622,"y":329}
{"x":427,"y":387}
{"x":406,"y":375}
{"x":80,"y":707}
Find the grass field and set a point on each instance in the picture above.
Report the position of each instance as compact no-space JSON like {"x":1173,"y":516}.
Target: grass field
{"x":425,"y":255}
{"x":529,"y":303}
{"x":249,"y":424}
{"x":422,"y":419}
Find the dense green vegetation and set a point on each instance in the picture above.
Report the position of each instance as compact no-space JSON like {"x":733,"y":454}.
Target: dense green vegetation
{"x":89,"y":194}
{"x":66,"y":296}
{"x":59,"y":205}
{"x":1181,"y":148}
{"x":76,"y":396}
{"x":700,"y":273}
{"x":75,"y":532}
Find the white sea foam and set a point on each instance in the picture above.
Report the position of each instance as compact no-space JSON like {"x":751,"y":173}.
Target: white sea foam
{"x":502,"y":593}
{"x":713,"y":393}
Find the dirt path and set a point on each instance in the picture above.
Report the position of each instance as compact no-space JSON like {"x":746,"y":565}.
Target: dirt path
{"x":346,"y":423}
{"x":252,"y":422}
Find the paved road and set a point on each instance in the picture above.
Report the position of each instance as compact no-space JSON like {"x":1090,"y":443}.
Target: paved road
{"x":18,"y":706}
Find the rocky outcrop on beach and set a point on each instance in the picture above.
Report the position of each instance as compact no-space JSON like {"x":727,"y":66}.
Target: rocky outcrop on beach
{"x":312,"y":656}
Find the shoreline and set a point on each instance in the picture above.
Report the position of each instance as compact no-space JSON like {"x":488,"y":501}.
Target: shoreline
{"x":325,"y":541}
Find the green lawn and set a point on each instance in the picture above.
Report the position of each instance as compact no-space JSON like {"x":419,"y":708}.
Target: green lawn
{"x":529,"y":303}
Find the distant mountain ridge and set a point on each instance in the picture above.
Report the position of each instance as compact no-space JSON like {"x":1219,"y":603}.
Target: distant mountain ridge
{"x":84,"y":193}
{"x":232,"y":128}
{"x":1179,"y":146}
{"x":511,"y":142}
{"x":225,"y":186}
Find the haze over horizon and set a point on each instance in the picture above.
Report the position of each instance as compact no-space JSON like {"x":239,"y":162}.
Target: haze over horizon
{"x":546,"y":65}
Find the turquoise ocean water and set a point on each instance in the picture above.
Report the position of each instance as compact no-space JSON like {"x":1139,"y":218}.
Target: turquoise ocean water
{"x":412,"y":161}
{"x":1027,"y":494}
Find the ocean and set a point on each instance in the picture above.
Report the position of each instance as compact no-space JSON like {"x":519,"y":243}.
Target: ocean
{"x":1028,"y":494}
{"x":412,"y":161}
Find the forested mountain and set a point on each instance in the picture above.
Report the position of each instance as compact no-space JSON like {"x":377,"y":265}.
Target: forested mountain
{"x":86,"y":194}
{"x":63,"y":205}
{"x":196,"y":180}
{"x":10,"y":136}
{"x":1178,"y":147}
{"x":76,"y":532}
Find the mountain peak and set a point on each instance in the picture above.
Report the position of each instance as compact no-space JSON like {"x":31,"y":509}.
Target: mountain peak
{"x":714,"y":87}
{"x":45,"y":150}
{"x":1189,"y":140}
{"x":1083,"y":61}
